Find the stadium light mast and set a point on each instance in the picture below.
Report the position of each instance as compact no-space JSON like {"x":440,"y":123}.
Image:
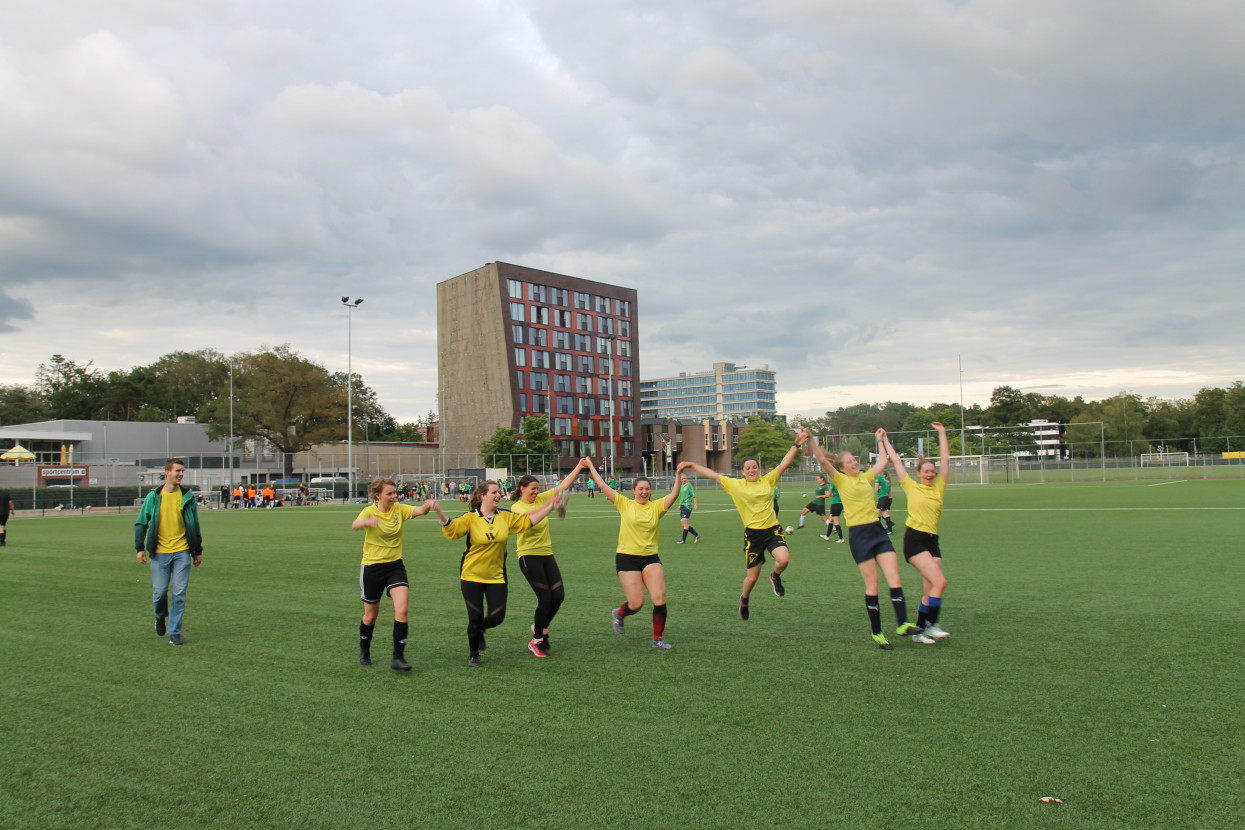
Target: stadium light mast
{"x":231,"y":428}
{"x":351,"y":305}
{"x":963,"y":449}
{"x":609,"y":351}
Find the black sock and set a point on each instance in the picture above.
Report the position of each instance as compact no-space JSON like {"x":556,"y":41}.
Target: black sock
{"x":625,"y":610}
{"x":365,"y":638}
{"x":932,"y":613}
{"x":875,"y":616}
{"x":399,"y":639}
{"x":922,"y":616}
{"x":685,"y":534}
{"x":901,"y":607}
{"x":839,"y":530}
{"x":692,"y":531}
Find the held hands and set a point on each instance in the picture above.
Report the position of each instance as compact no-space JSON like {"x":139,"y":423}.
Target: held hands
{"x":803,"y":436}
{"x":941,"y":429}
{"x":880,"y":434}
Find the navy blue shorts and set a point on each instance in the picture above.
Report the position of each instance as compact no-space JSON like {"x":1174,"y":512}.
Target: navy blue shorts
{"x":867,"y":541}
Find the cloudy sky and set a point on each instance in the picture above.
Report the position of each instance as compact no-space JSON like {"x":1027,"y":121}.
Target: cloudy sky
{"x":871,"y":193}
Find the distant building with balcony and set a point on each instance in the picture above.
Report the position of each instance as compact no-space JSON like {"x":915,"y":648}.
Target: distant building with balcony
{"x":726,"y":393}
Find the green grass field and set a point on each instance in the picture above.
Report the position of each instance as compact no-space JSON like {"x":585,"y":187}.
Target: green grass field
{"x":1096,"y":656}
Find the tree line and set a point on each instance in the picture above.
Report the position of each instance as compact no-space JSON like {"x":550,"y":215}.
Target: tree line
{"x":1130,"y":424}
{"x":278,"y":396}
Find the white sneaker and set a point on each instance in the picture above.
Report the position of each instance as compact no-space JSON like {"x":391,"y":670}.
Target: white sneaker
{"x":839,"y":541}
{"x":923,"y":640}
{"x":934,"y":631}
{"x":824,"y":536}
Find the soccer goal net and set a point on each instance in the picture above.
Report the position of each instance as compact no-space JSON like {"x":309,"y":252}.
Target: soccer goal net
{"x":983,"y":469}
{"x":1165,"y":459}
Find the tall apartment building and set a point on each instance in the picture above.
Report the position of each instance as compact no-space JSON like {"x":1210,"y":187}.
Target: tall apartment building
{"x":515,"y":341}
{"x":728,"y":392}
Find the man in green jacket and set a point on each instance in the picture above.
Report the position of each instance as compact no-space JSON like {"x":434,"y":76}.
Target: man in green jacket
{"x":167,"y":532}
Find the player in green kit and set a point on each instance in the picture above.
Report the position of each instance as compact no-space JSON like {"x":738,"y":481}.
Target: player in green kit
{"x":883,"y":486}
{"x":834,"y":523}
{"x":818,"y":504}
{"x":687,"y":504}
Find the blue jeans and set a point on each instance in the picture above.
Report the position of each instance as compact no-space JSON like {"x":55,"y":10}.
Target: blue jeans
{"x":170,"y":570}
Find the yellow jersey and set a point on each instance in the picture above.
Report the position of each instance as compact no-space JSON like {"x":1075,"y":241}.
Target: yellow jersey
{"x":924,"y":503}
{"x":171,"y":530}
{"x":637,"y":532}
{"x":484,"y":559}
{"x":859,"y":504}
{"x":536,"y":542}
{"x":383,"y":543}
{"x":754,"y":499}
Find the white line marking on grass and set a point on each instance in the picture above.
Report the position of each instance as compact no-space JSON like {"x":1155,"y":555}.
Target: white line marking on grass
{"x":1074,"y":509}
{"x":1161,"y":483}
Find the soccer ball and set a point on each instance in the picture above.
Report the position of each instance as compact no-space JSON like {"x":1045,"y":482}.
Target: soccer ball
{"x":790,"y":529}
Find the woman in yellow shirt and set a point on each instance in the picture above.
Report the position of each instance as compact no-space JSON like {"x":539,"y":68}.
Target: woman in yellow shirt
{"x":535,"y":554}
{"x":482,"y":572}
{"x":920,"y":539}
{"x":870,"y":545}
{"x":382,"y":570}
{"x":636,"y":560}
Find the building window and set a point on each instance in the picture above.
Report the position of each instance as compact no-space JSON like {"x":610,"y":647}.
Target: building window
{"x":561,"y":340}
{"x":583,"y":385}
{"x":559,"y":296}
{"x":581,"y":300}
{"x":537,"y":337}
{"x":624,"y":389}
{"x":520,"y":356}
{"x":564,"y":447}
{"x":605,"y":325}
{"x":583,"y":322}
{"x":585,"y":428}
{"x":540,"y":360}
{"x":561,"y":426}
{"x":561,"y":383}
{"x":603,"y":386}
{"x":628,"y":448}
{"x":539,"y":382}
{"x":585,"y":364}
{"x":604,"y":366}
{"x":536,"y":293}
{"x":587,"y":447}
{"x":624,"y":308}
{"x":562,"y":318}
{"x":587,"y":406}
{"x":603,"y":345}
{"x":562,"y":360}
{"x":516,"y":289}
{"x":523,"y":403}
{"x":603,"y":305}
{"x":566,"y":405}
{"x":622,"y":348}
{"x":583,"y":342}
{"x":540,"y":315}
{"x":516,"y":334}
{"x":624,"y":328}
{"x":518,"y":379}
{"x":517,"y":312}
{"x":624,"y":408}
{"x":624,"y":370}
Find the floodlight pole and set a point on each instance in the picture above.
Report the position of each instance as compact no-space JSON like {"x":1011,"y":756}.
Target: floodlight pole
{"x":963,"y":446}
{"x":351,"y":305}
{"x":609,"y":351}
{"x":230,"y":450}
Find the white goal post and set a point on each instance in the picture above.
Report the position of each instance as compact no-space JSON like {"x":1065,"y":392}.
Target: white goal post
{"x":982,"y":469}
{"x":1165,"y":459}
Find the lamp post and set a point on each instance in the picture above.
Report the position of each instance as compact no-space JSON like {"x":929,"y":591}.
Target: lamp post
{"x":963,"y":446}
{"x":230,"y":450}
{"x":609,"y":351}
{"x":351,"y":305}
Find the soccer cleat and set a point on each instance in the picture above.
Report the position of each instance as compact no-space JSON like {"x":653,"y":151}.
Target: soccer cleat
{"x":473,"y":662}
{"x":839,"y":541}
{"x":681,"y":541}
{"x":618,"y":623}
{"x":696,"y":541}
{"x":533,"y":645}
{"x":906,"y":629}
{"x":399,"y":664}
{"x":365,"y":658}
{"x":890,"y":533}
{"x":824,"y":536}
{"x":662,"y":644}
{"x":176,"y":640}
{"x":935,"y":631}
{"x":776,"y":581}
{"x":923,"y":639}
{"x":882,"y":642}
{"x":160,"y":626}
{"x":743,"y":609}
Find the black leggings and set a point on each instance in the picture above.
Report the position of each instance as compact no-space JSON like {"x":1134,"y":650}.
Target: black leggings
{"x":475,"y":594}
{"x":546,"y":580}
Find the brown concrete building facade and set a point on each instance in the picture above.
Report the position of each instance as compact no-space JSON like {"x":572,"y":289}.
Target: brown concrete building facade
{"x":515,"y":341}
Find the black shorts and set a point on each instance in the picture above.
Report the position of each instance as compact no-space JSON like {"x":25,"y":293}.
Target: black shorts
{"x":814,"y":507}
{"x":884,"y":502}
{"x":377,"y":580}
{"x":918,"y":541}
{"x":4,"y":519}
{"x":631,"y":562}
{"x":757,"y":542}
{"x":836,"y":510}
{"x":867,"y":541}
{"x":685,"y":512}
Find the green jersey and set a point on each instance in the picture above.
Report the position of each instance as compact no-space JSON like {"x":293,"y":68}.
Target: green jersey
{"x":834,"y":495}
{"x":819,"y":495}
{"x":687,"y":495}
{"x":884,"y":487}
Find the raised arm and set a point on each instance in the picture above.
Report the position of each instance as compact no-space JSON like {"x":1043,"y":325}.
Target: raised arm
{"x":824,"y":459}
{"x":883,"y":458}
{"x":604,"y":487}
{"x":673,"y":496}
{"x":944,"y":449}
{"x":889,"y":449}
{"x":699,"y":470}
{"x":565,"y":484}
{"x":801,"y":437}
{"x":541,"y":512}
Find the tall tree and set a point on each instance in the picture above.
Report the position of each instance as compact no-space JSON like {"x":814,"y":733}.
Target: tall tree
{"x":764,"y":441}
{"x":71,"y":391}
{"x":20,"y":405}
{"x":532,"y":453}
{"x":281,"y":398}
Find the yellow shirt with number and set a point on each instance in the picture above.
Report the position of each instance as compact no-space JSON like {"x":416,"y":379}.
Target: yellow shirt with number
{"x":171,"y":530}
